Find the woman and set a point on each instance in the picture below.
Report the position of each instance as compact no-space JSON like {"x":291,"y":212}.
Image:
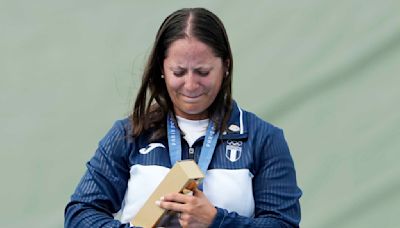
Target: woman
{"x":184,"y":110}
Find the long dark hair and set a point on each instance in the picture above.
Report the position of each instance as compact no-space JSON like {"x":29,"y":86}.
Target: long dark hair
{"x":153,"y":103}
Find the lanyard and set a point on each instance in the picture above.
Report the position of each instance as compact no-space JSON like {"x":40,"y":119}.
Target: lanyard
{"x":175,"y":146}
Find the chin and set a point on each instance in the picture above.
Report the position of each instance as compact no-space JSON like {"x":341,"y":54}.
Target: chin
{"x":194,"y":112}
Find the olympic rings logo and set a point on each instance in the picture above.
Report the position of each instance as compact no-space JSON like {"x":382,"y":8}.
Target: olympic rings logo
{"x":235,"y":143}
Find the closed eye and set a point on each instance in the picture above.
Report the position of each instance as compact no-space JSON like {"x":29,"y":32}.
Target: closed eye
{"x":179,"y":73}
{"x":203,"y":73}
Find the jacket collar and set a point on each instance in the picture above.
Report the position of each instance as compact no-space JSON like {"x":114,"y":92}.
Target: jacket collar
{"x":237,"y":124}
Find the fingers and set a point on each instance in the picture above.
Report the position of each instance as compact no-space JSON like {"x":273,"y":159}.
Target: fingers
{"x":171,"y":205}
{"x":176,"y":202}
{"x":178,"y":198}
{"x":194,"y":210}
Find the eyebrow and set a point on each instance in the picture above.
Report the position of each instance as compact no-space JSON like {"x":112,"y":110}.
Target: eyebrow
{"x":173,"y":68}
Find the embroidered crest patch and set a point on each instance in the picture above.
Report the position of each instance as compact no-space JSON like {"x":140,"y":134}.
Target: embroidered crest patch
{"x":233,"y":150}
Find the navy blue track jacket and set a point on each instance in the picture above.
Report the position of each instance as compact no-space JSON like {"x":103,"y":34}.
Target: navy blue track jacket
{"x":251,"y":179}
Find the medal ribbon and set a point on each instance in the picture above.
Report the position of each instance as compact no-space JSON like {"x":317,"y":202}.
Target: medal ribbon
{"x":175,"y":146}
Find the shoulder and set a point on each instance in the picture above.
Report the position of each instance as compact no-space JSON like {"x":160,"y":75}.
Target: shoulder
{"x":254,"y":124}
{"x":263,"y":135}
{"x":248,"y":124}
{"x":123,"y":125}
{"x":267,"y":140}
{"x":120,"y":127}
{"x":118,"y":136}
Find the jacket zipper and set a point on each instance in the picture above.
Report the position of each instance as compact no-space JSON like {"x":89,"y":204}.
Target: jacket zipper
{"x":191,"y":153}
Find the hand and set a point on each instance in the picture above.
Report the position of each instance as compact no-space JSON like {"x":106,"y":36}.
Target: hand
{"x":195,"y":210}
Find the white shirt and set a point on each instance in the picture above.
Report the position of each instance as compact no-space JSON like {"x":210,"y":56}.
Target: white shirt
{"x":192,"y":129}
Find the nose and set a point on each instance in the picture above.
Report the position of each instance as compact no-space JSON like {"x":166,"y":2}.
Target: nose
{"x":191,"y":82}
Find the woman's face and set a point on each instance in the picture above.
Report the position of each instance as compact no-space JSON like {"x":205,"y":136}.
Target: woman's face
{"x":193,"y":76}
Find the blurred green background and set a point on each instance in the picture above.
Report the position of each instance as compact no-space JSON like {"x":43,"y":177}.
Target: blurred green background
{"x":327,"y":72}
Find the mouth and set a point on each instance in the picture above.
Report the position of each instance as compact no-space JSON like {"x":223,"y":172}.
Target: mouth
{"x":191,"y":98}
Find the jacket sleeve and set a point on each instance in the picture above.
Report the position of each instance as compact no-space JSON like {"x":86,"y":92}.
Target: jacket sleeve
{"x":101,"y":190}
{"x":275,"y":190}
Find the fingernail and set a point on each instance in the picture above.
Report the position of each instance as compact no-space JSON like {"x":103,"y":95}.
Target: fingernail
{"x":158,"y":202}
{"x":162,"y":198}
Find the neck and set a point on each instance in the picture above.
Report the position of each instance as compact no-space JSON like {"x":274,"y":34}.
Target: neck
{"x":199,"y":116}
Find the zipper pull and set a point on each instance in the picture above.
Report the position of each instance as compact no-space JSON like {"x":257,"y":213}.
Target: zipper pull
{"x":191,"y":153}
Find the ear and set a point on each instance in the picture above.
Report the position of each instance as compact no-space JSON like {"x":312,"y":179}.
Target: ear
{"x":162,"y":70}
{"x":227,"y":64}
